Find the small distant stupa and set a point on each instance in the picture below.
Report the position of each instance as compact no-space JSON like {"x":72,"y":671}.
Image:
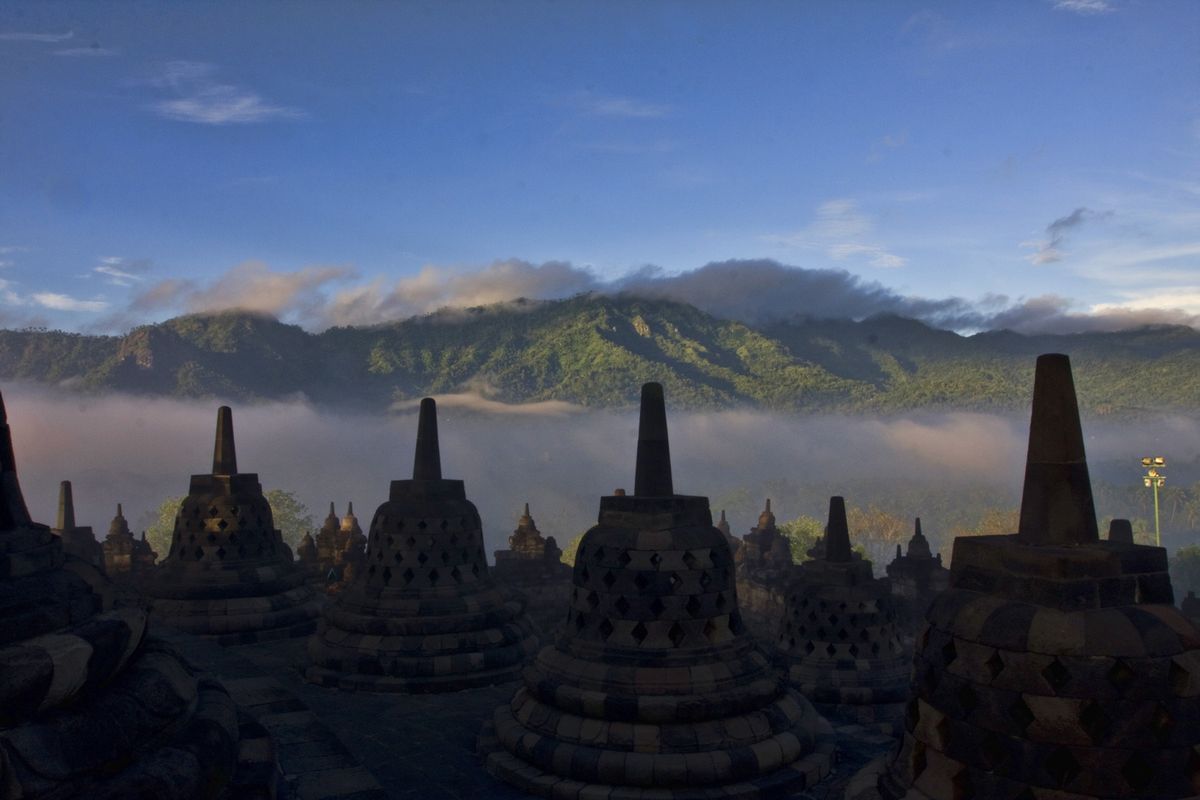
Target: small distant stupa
{"x":765,"y":554}
{"x":916,"y":576}
{"x":126,"y":559}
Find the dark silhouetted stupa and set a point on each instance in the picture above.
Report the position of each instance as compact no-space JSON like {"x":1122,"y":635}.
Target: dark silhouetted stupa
{"x":90,"y":706}
{"x":1120,"y":530}
{"x":424,"y":615}
{"x":654,"y":689}
{"x":533,"y":566}
{"x":1055,"y":665}
{"x":765,"y":554}
{"x":839,"y":632}
{"x":917,"y":577}
{"x":126,"y":559}
{"x":227,"y":573}
{"x":78,"y":540}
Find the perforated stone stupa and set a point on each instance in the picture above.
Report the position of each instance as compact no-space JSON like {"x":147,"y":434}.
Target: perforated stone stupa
{"x":1055,"y":665}
{"x":916,"y":576}
{"x":90,"y":706}
{"x":654,"y":689}
{"x":228,"y":574}
{"x":425,"y":614}
{"x":839,"y":632}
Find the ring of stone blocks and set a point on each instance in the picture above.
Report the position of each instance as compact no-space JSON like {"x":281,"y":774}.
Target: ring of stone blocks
{"x":173,"y":581}
{"x":233,"y":606}
{"x":365,"y":660}
{"x":618,"y":774}
{"x":53,"y":669}
{"x":415,"y":684}
{"x":206,"y":624}
{"x":635,"y":704}
{"x":428,"y":644}
{"x":356,"y":610}
{"x":784,"y":713}
{"x":714,"y":674}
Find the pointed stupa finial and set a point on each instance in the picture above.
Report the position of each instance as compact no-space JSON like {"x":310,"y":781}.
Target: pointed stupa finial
{"x":768,"y":504}
{"x":837,"y":532}
{"x":653,"y":475}
{"x":224,"y":452}
{"x":13,"y":512}
{"x":917,"y":529}
{"x":332,"y":512}
{"x":723,"y":515}
{"x":1056,"y":505}
{"x":66,"y":507}
{"x":1120,"y":530}
{"x":427,"y":463}
{"x":120,"y":511}
{"x":527,"y":509}
{"x":350,"y":508}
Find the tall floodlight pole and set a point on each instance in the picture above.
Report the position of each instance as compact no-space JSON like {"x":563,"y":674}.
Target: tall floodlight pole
{"x":1155,"y":479}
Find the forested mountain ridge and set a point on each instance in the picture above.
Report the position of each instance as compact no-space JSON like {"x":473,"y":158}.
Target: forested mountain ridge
{"x":596,"y":350}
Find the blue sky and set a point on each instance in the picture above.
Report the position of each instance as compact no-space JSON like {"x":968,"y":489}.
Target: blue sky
{"x":1037,"y":161}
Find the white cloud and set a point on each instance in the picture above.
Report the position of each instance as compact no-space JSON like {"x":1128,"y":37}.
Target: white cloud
{"x":1084,"y":6}
{"x":843,"y":232}
{"x":86,"y":52}
{"x":122,"y":271}
{"x":204,"y":101}
{"x":62,"y":302}
{"x":626,"y":107}
{"x":24,"y":36}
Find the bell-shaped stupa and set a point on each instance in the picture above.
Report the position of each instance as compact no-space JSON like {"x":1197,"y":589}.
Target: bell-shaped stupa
{"x":840,"y":634}
{"x":227,"y":574}
{"x":424,"y":615}
{"x":654,"y":688}
{"x":917,"y":576}
{"x":90,"y":706}
{"x":1055,"y":665}
{"x":765,"y":554}
{"x":126,"y":559}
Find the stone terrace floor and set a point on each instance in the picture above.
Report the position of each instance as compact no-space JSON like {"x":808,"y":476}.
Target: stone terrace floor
{"x":359,"y":746}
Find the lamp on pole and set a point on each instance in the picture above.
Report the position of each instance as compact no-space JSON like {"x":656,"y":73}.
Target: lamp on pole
{"x":1155,"y":479}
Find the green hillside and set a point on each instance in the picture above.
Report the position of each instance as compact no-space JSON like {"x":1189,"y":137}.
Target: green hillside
{"x":597,"y":350}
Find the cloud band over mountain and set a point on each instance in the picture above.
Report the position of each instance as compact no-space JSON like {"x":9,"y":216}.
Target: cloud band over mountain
{"x":753,"y":291}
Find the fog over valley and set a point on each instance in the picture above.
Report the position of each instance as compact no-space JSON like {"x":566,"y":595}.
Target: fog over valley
{"x":140,"y":451}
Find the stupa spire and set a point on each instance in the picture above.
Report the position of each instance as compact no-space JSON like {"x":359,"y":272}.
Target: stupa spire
{"x":1120,"y":530}
{"x":653,"y":475}
{"x":427,"y":463}
{"x":1056,"y":504}
{"x":66,"y":507}
{"x":224,"y":452}
{"x":837,"y":532}
{"x":13,"y":512}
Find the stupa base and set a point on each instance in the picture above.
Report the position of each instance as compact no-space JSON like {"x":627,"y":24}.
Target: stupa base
{"x":417,"y":684}
{"x":630,"y":775}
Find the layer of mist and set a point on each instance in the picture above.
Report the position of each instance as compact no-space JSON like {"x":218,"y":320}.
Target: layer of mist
{"x":139,"y":451}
